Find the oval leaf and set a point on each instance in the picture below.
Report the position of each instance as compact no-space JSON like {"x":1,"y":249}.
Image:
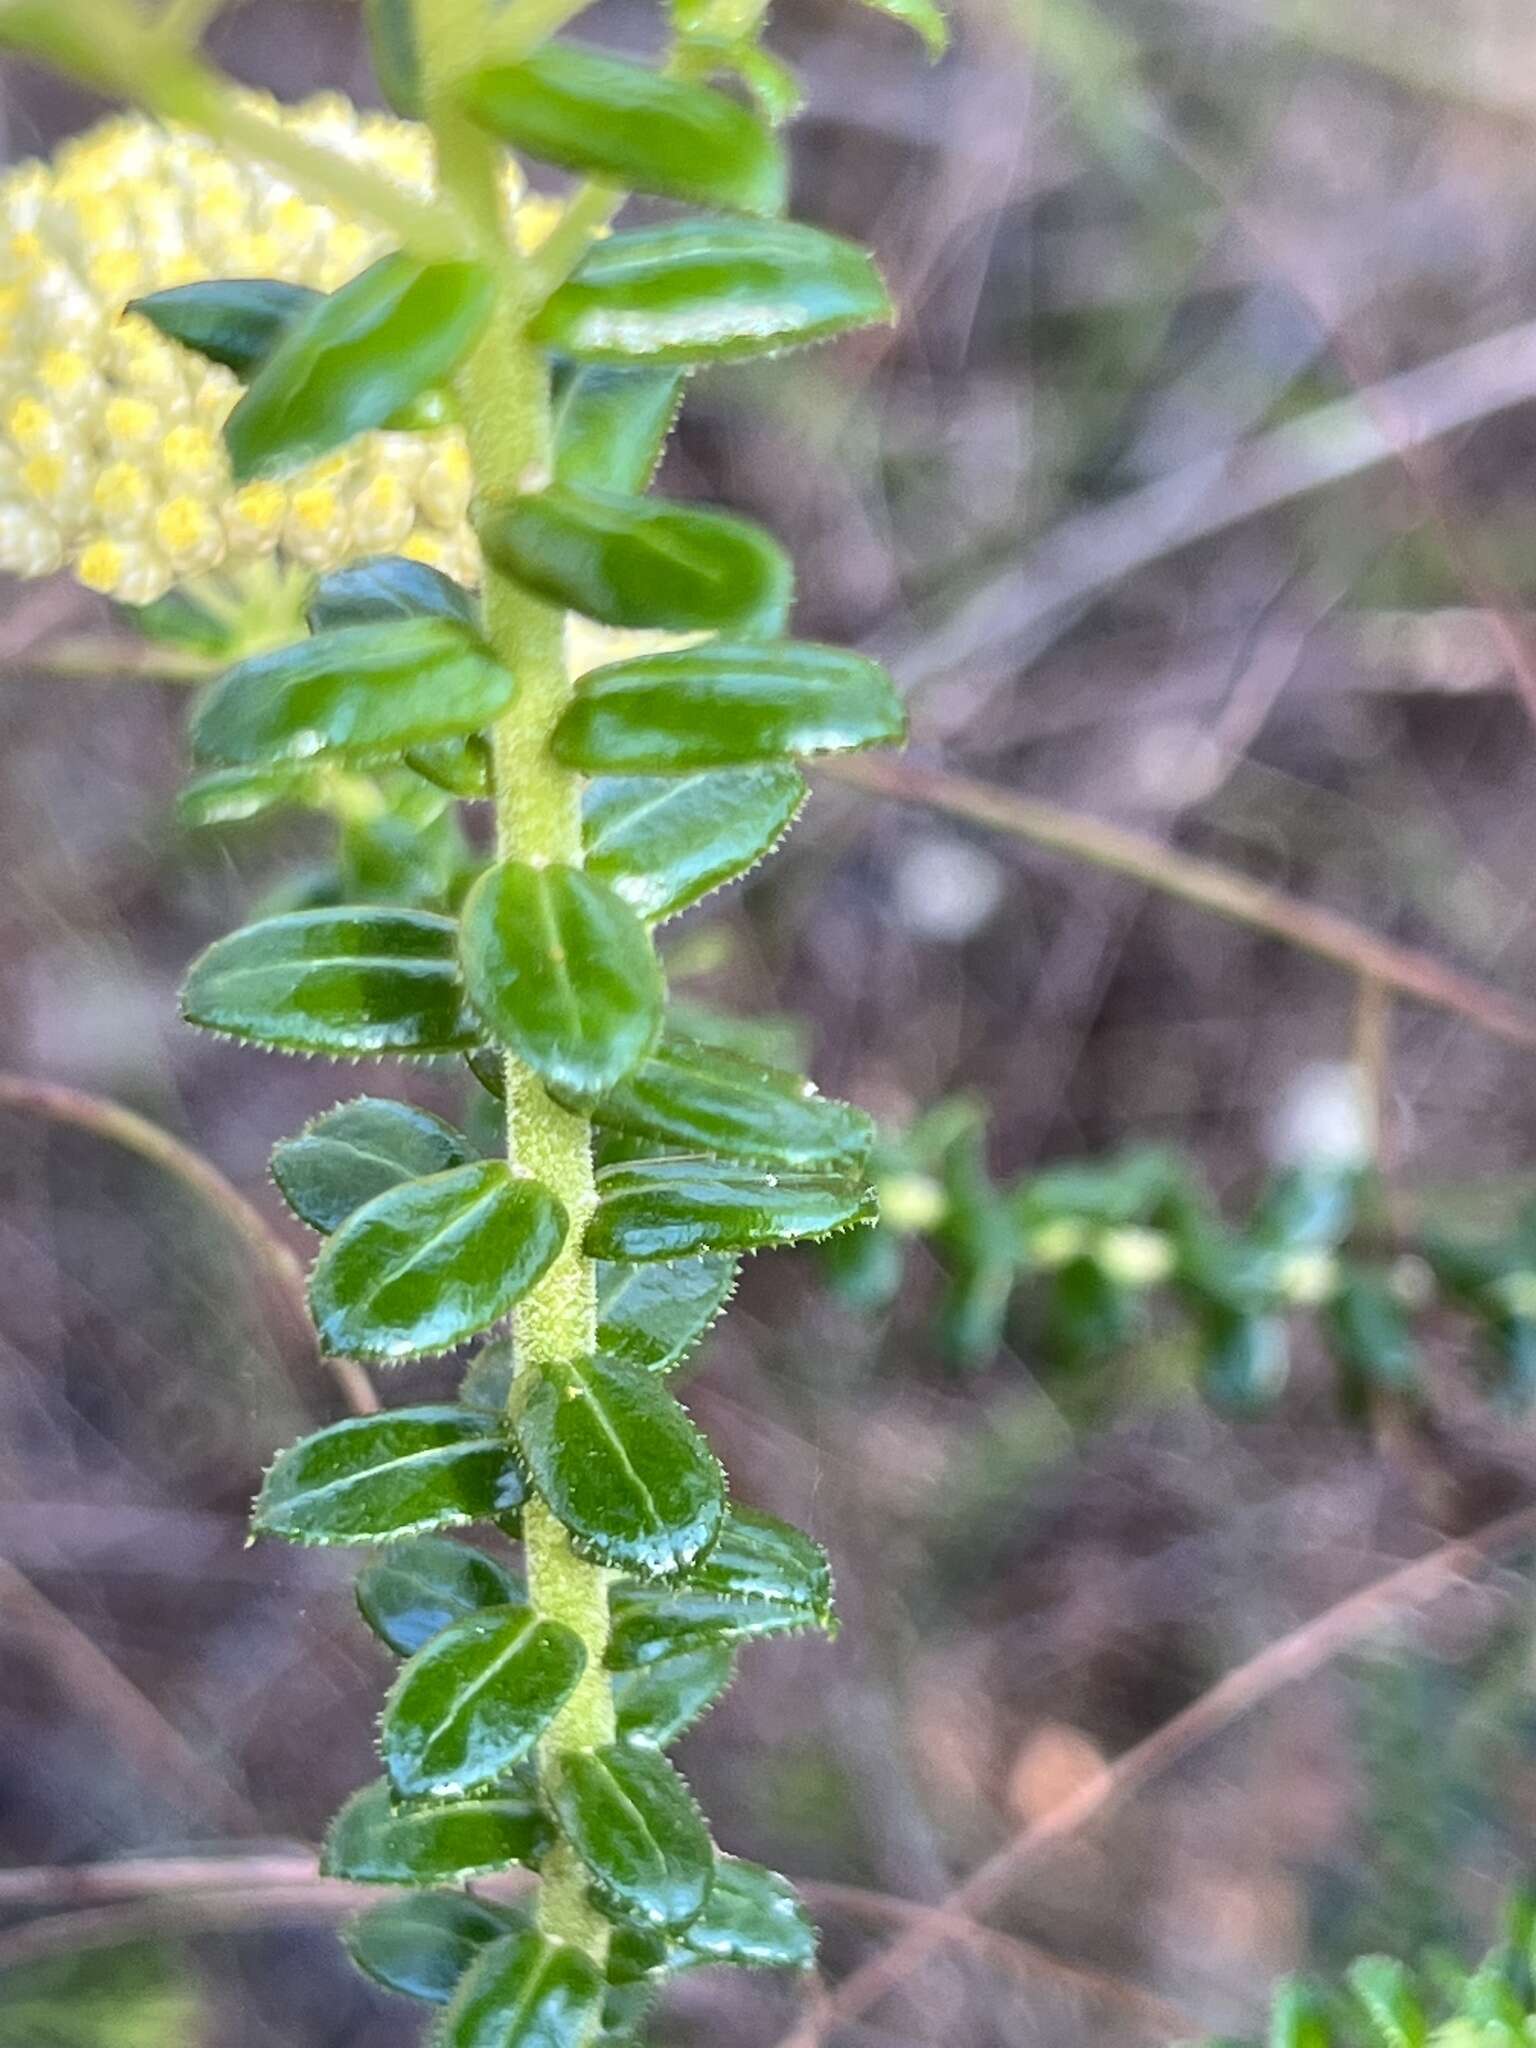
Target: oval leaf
{"x":373,"y":1478}
{"x":416,"y":1589}
{"x":631,"y":127}
{"x":373,"y":1841}
{"x":649,"y":1316}
{"x":725,"y":704}
{"x":668,"y":1208}
{"x":356,"y":359}
{"x":639,"y":561}
{"x":421,"y":1946}
{"x":760,"y":1578}
{"x":611,"y":425}
{"x":658,"y":1702}
{"x":336,"y":981}
{"x":662,"y":842}
{"x":388,"y":587}
{"x":632,"y":1821}
{"x":753,"y":1918}
{"x":619,"y":1464}
{"x":710,"y":291}
{"x":525,"y":1991}
{"x":475,"y":1700}
{"x":229,"y":796}
{"x":236,"y":321}
{"x":351,"y":1153}
{"x":428,"y":1263}
{"x":562,"y":972}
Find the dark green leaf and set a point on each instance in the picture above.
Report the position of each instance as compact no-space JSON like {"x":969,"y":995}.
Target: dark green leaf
{"x":630,"y":127}
{"x":386,"y":588}
{"x":664,"y":841}
{"x":641,"y":561}
{"x":228,"y":796}
{"x":1245,"y":1359}
{"x":236,"y":321}
{"x":472,"y":1702}
{"x":421,"y":1945}
{"x":373,"y":1841}
{"x":392,"y":40}
{"x":648,"y":1316}
{"x":754,"y":1918}
{"x":487,"y":1381}
{"x":610,"y":425}
{"x":700,"y":1099}
{"x":668,"y":1208}
{"x":760,"y":1578}
{"x":345,"y":1157}
{"x":619,"y":1463}
{"x":374,"y":1478}
{"x":922,"y":17}
{"x":708,"y":291}
{"x":179,"y":620}
{"x":1371,"y":1334}
{"x":525,"y":1991}
{"x":632,"y":1821}
{"x":562,"y":972}
{"x":392,"y":857}
{"x":417,"y":1588}
{"x":462,"y":767}
{"x":726,"y":704}
{"x":336,"y":981}
{"x":429,"y":1262}
{"x":353,"y":361}
{"x":657,"y":1702}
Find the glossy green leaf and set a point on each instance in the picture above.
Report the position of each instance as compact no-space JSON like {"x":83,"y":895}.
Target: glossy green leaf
{"x":669,"y":1208}
{"x":417,"y":1588}
{"x":701,"y":53}
{"x":373,"y":1841}
{"x":753,"y":1918}
{"x":649,"y":1316}
{"x":631,"y":127}
{"x":662,"y":842}
{"x":421,"y":1945}
{"x":701,"y":1099}
{"x":181,"y":621}
{"x":629,"y":561}
{"x":362,"y":692}
{"x":656,"y":1702}
{"x":710,"y":291}
{"x":236,"y":321}
{"x":393,"y":857}
{"x":632,"y":1821}
{"x":472,"y":1702}
{"x":921,"y":16}
{"x":563,"y":973}
{"x":487,"y":1381}
{"x":392,"y":41}
{"x":344,"y":1157}
{"x":525,"y":1991}
{"x":375,"y":1478}
{"x":429,"y":1262}
{"x":610,"y":425}
{"x":726,"y":704}
{"x":346,"y":980}
{"x":355,"y":360}
{"x":229,"y":796}
{"x":462,"y":766}
{"x":760,"y":1578}
{"x":619,"y":1464}
{"x":388,"y":588}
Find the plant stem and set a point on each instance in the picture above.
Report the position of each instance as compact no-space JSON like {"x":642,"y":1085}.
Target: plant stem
{"x":503,"y":390}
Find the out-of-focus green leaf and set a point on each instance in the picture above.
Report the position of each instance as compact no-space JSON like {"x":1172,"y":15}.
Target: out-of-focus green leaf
{"x":421,"y":1945}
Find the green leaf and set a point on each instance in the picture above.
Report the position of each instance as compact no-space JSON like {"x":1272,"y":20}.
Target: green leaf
{"x":236,"y":321}
{"x":711,"y":291}
{"x":649,"y":1316}
{"x":347,"y":980}
{"x":373,"y":1841}
{"x":1245,"y":1359}
{"x":487,"y":1381}
{"x":229,"y":796}
{"x":668,"y":1208}
{"x":179,"y":620}
{"x":462,"y":767}
{"x":392,"y":41}
{"x":563,"y":972}
{"x":374,"y":1478}
{"x":525,"y":1991}
{"x":658,"y":1702}
{"x":703,"y":1100}
{"x":726,"y":704}
{"x":361,"y":692}
{"x":662,"y":842}
{"x":355,"y":360}
{"x":631,"y":127}
{"x":429,"y":1262}
{"x":629,"y":561}
{"x":619,"y":1464}
{"x":472,"y":1702}
{"x":345,"y":1157}
{"x":760,"y":1578}
{"x":921,"y":16}
{"x":753,"y":1918}
{"x":1385,"y":1990}
{"x":610,"y":425}
{"x":1371,"y":1334}
{"x":388,"y":588}
{"x":417,"y":1588}
{"x":421,"y":1945}
{"x":632,"y":1821}
{"x":1298,"y":2016}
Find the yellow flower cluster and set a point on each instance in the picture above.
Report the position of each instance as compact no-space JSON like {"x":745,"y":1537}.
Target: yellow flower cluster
{"x":111,"y":457}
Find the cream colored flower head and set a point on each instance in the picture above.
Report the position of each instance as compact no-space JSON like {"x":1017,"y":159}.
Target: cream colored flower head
{"x":111,"y":458}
